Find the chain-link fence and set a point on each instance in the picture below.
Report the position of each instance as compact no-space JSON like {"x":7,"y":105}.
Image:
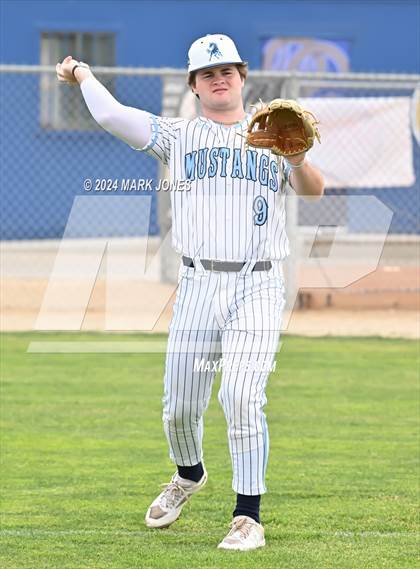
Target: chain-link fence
{"x":51,"y":147}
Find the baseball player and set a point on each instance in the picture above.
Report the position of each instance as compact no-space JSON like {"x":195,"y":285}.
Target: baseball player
{"x":229,"y":229}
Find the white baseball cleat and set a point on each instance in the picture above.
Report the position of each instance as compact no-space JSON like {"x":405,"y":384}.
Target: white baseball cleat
{"x":166,"y":508}
{"x":245,"y":534}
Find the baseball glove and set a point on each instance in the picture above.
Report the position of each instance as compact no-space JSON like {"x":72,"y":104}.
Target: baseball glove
{"x":284,"y":127}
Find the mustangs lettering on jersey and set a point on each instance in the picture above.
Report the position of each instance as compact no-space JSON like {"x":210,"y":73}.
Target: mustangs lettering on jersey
{"x":211,"y":162}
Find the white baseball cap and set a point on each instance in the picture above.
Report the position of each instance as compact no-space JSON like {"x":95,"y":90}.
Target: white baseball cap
{"x":212,"y":50}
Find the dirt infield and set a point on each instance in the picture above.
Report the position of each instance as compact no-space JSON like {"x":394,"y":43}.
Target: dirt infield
{"x":384,"y":303}
{"x":21,"y":300}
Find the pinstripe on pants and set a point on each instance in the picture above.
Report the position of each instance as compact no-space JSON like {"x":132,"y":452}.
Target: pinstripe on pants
{"x":236,"y":317}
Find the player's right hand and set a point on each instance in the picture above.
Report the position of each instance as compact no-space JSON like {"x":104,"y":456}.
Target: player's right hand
{"x":64,"y":70}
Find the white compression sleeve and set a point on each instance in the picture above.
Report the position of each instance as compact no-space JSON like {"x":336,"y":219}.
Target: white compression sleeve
{"x":127,"y":123}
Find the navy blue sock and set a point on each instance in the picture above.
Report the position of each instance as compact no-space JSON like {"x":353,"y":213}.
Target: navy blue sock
{"x":194,"y":473}
{"x":248,"y":506}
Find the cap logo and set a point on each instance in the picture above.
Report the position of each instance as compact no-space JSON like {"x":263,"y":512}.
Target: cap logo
{"x":214,"y":51}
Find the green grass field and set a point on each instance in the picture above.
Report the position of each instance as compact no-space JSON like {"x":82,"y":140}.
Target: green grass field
{"x":83,"y":453}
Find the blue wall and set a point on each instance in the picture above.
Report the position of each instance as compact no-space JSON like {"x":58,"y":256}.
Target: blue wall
{"x":383,"y":37}
{"x":383,"y":34}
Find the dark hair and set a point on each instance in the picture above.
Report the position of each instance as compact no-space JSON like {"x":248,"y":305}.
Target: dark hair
{"x":241,"y":67}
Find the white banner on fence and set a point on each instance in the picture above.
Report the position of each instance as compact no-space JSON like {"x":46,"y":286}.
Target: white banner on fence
{"x":365,"y":142}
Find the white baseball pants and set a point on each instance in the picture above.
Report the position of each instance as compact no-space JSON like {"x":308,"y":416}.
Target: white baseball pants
{"x":229,"y":321}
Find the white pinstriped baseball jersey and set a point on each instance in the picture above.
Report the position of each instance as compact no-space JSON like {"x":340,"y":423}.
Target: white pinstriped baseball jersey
{"x":234,"y":210}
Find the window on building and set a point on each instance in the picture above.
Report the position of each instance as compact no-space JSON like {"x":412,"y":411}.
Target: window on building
{"x":62,"y":106}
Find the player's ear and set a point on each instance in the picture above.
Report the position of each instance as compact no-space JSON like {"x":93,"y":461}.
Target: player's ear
{"x":194,"y":90}
{"x":191,"y":83}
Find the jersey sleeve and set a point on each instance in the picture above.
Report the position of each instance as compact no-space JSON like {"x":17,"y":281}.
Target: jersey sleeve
{"x":285,"y":172}
{"x":162,"y":137}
